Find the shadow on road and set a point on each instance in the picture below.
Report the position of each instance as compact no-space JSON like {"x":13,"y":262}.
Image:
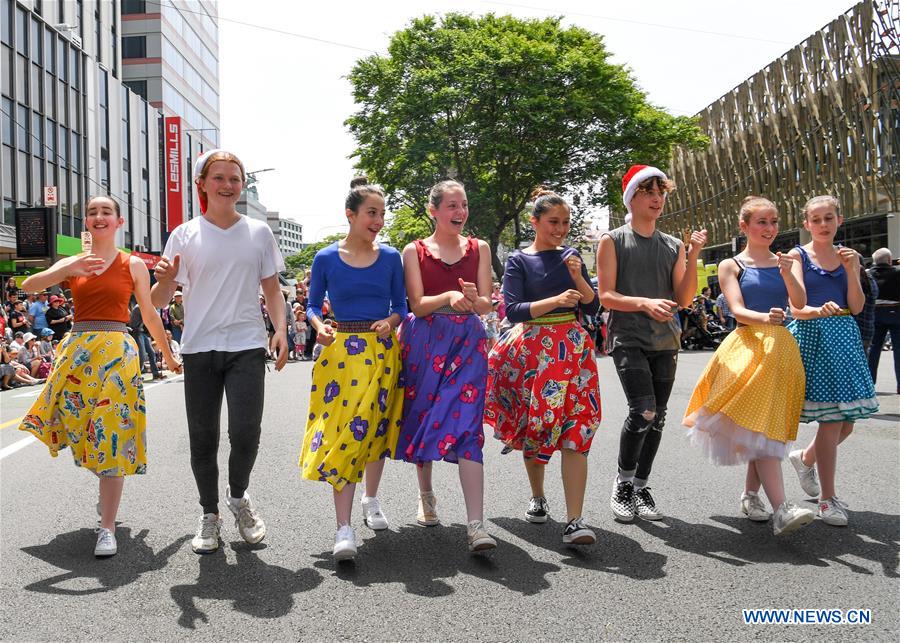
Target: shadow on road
{"x":870,"y":536}
{"x":253,"y":586}
{"x":613,"y":553}
{"x":422,"y":559}
{"x":74,"y":551}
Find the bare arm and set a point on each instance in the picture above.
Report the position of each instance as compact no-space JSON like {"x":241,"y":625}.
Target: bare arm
{"x":141,"y":278}
{"x":421,"y":304}
{"x":165,"y":286}
{"x":684,"y":277}
{"x":275,"y":303}
{"x":78,"y":266}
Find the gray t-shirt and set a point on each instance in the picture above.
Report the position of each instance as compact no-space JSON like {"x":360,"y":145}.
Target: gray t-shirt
{"x":644,"y":269}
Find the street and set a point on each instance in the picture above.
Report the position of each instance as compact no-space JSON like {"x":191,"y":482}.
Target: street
{"x":685,"y":578}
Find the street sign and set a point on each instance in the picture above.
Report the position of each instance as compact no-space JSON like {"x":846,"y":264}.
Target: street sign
{"x":50,"y":197}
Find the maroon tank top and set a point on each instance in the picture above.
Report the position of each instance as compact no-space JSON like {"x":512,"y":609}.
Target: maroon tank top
{"x":439,"y":277}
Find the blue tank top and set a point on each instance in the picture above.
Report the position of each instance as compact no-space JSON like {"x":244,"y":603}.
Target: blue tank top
{"x":823,"y":285}
{"x":762,"y":288}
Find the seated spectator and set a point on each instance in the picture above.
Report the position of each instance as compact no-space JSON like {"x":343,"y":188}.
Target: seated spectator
{"x":29,"y":354}
{"x":15,"y":373}
{"x":174,"y":346}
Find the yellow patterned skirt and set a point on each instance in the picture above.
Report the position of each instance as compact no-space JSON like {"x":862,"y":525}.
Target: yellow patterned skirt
{"x":355,"y":408}
{"x":93,"y":403}
{"x":746,"y":405}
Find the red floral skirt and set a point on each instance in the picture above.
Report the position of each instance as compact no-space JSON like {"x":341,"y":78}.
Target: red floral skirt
{"x":543,"y":390}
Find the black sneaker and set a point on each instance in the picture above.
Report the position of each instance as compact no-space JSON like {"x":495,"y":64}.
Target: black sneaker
{"x":644,"y":506}
{"x":622,"y":501}
{"x":577,"y":533}
{"x":538,"y":510}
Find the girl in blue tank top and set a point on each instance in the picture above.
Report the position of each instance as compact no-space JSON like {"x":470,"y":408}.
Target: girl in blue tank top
{"x":839,"y":387}
{"x":746,"y":405}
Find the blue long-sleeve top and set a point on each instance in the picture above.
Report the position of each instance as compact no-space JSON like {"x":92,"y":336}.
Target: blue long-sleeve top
{"x":357,"y":294}
{"x":532,"y":277}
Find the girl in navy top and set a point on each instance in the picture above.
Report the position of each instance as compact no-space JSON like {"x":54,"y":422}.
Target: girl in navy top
{"x":759,"y":361}
{"x":543,"y":391}
{"x":355,"y":402}
{"x":839,"y":387}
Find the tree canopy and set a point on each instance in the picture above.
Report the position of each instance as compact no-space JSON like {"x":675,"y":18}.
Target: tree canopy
{"x":304,"y":258}
{"x":503,"y":104}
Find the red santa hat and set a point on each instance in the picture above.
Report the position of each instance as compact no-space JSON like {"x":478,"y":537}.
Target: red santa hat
{"x":636,"y":175}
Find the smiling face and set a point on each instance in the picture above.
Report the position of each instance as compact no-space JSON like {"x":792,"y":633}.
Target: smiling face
{"x":368,"y":220}
{"x":222,"y":183}
{"x":761,"y":228}
{"x":822,"y":222}
{"x":452,"y":212}
{"x":648,"y":201}
{"x":552,"y":228}
{"x":102,"y":218}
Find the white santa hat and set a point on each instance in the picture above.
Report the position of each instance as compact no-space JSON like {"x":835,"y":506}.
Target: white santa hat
{"x":636,"y":175}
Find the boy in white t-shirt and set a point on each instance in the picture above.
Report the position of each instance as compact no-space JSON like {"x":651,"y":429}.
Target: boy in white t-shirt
{"x":224,"y":340}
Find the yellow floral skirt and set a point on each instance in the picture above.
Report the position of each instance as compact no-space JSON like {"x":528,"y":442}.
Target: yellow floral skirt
{"x":93,"y":403}
{"x":355,"y":408}
{"x":746,"y":405}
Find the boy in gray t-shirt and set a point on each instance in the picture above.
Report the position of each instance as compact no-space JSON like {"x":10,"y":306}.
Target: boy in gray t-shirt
{"x":643,"y":280}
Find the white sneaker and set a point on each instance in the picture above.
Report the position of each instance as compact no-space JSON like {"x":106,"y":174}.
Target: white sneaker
{"x":249,"y":524}
{"x":207,"y":539}
{"x":344,"y":543}
{"x":833,"y":512}
{"x":789,"y":517}
{"x":372,"y":514}
{"x":479,"y":539}
{"x":809,"y":479}
{"x":754,"y":508}
{"x":106,"y":544}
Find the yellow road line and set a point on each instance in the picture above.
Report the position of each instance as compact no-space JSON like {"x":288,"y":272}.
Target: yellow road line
{"x":10,"y":423}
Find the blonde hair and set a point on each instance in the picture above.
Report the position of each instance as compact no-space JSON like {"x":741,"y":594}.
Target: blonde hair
{"x":752,"y":203}
{"x":824,"y":199}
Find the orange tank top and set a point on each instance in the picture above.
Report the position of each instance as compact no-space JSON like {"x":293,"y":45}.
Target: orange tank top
{"x":104,"y":297}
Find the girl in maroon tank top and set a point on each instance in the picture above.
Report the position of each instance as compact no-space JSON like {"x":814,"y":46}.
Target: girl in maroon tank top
{"x":444,"y":347}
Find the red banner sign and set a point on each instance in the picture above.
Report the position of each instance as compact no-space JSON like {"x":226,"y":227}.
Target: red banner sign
{"x":174,"y":187}
{"x":150,"y":260}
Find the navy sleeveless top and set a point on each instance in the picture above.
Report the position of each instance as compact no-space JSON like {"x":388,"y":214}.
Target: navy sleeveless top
{"x":823,"y":285}
{"x":762,"y":288}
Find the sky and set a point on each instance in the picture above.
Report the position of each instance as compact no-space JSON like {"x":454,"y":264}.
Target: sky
{"x":284,"y":95}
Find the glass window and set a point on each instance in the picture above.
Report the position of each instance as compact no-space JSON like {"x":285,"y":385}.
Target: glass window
{"x":49,"y":53}
{"x":139,"y":87}
{"x":73,"y":110}
{"x":131,"y":7}
{"x":8,"y":184}
{"x":134,"y":47}
{"x":61,"y":96}
{"x":6,"y":66}
{"x":50,"y":139}
{"x":21,"y":78}
{"x":21,"y":31}
{"x":6,"y":22}
{"x":9,"y":218}
{"x":22,"y":123}
{"x":76,"y":152}
{"x":37,"y":180}
{"x":36,"y":48}
{"x":7,"y":121}
{"x":37,"y":87}
{"x":49,"y":100}
{"x":23,"y":168}
{"x":75,"y":69}
{"x":37,"y":131}
{"x":63,"y":146}
{"x":103,"y":89}
{"x":62,"y":68}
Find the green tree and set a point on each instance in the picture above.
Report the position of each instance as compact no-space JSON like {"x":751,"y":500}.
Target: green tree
{"x":303,"y":259}
{"x":503,"y":104}
{"x":405,"y":226}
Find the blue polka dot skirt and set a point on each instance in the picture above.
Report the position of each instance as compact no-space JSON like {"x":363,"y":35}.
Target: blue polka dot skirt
{"x":839,"y":387}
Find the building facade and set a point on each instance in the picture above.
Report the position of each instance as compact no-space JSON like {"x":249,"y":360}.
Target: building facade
{"x":821,"y":119}
{"x":288,"y":233}
{"x":170,"y":57}
{"x":69,"y":122}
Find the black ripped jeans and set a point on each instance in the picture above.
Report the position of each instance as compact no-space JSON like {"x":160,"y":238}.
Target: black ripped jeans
{"x":240,"y":376}
{"x":647,"y":378}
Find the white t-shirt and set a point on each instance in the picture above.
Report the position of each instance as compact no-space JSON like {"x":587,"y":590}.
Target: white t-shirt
{"x":220,"y":273}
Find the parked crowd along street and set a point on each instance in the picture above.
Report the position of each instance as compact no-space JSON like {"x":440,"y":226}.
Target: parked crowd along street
{"x":417,"y":350}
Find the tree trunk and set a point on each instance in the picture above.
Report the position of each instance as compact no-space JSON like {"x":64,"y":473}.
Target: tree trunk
{"x":493,"y":242}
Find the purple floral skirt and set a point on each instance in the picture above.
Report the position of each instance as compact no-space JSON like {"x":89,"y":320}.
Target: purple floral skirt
{"x":355,"y":405}
{"x":445,"y":371}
